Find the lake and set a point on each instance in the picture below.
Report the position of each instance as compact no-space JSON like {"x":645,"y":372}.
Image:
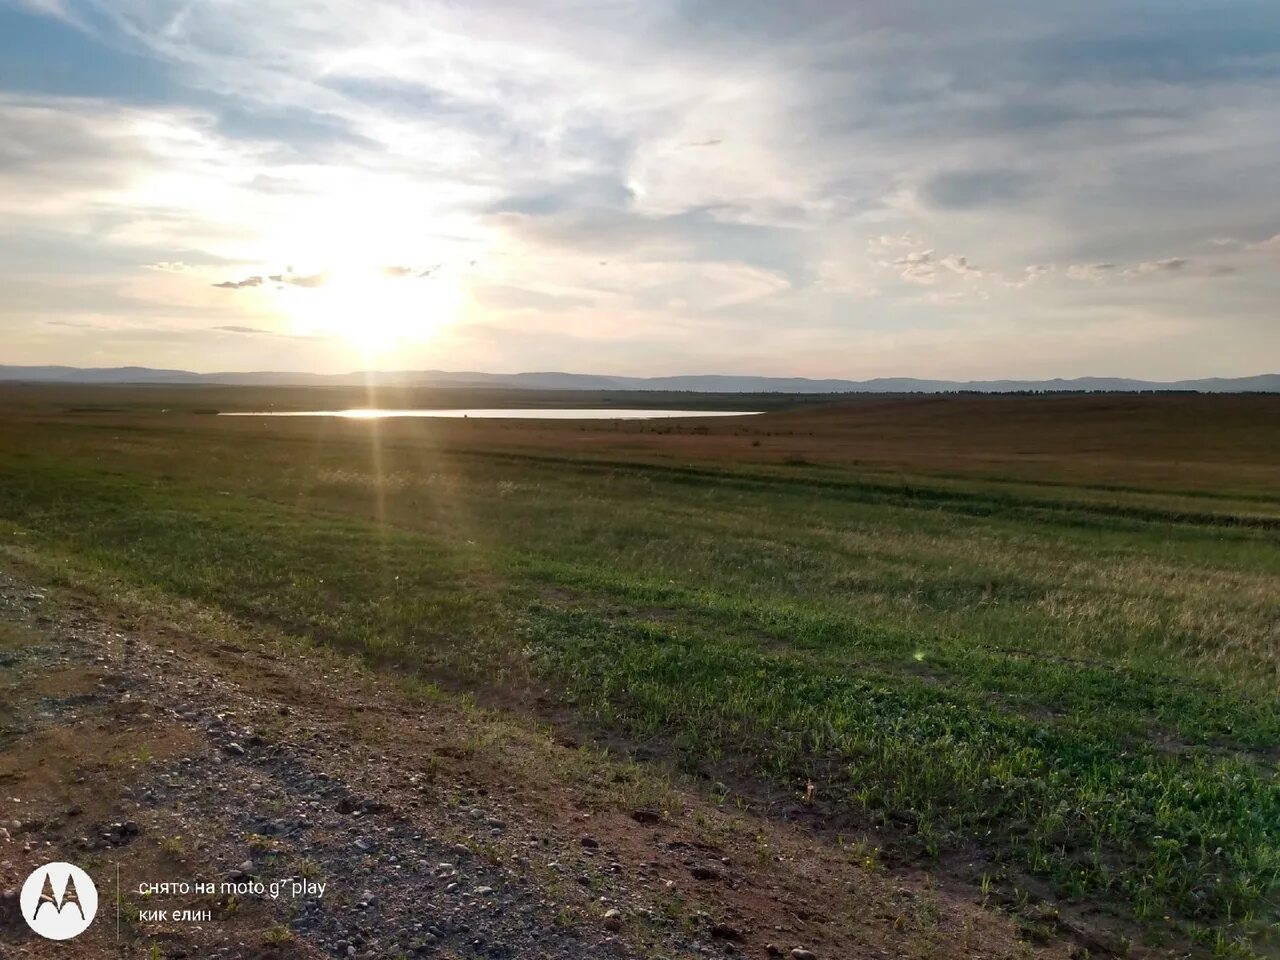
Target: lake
{"x":500,"y":414}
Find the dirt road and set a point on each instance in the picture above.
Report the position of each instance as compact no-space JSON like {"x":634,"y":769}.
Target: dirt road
{"x":300,"y":806}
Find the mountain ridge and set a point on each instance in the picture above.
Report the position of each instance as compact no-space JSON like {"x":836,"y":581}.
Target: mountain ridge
{"x":556,"y":380}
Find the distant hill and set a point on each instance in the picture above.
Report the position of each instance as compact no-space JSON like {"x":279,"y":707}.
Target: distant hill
{"x":710,"y":383}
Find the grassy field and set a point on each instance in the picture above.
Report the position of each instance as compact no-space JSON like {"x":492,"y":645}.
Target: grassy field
{"x":1036,"y":634}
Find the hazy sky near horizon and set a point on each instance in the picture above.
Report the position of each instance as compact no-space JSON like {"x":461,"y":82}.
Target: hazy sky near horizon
{"x":821,"y":188}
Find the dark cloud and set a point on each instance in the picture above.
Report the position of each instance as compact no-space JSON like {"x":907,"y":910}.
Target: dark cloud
{"x":739,"y":24}
{"x":415,"y":97}
{"x":1148,"y":269}
{"x":1181,"y":43}
{"x":969,"y":189}
{"x":701,"y":233}
{"x":47,"y":151}
{"x":236,"y":328}
{"x":585,"y":193}
{"x":310,"y":280}
{"x":1047,"y":112}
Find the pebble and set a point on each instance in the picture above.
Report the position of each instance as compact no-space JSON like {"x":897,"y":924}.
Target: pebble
{"x":493,"y":908}
{"x":800,"y":953}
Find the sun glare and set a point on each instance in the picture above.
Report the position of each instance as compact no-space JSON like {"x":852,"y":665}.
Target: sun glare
{"x":372,"y":311}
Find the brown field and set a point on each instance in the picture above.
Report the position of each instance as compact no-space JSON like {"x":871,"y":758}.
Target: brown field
{"x":1218,"y":444}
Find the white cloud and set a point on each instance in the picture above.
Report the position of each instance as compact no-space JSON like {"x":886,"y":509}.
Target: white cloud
{"x":960,"y":266}
{"x":1035,"y":273}
{"x":1167,"y":265}
{"x":917,"y":266}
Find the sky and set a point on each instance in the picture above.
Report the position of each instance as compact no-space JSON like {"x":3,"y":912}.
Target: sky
{"x":826,"y":188}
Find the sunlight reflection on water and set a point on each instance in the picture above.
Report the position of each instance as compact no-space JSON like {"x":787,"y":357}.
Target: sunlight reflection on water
{"x":499,"y":414}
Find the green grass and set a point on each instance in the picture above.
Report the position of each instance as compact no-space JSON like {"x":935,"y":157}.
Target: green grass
{"x":1077,"y":683}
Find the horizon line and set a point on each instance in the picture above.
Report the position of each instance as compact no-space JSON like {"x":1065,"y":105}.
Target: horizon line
{"x":403,"y":371}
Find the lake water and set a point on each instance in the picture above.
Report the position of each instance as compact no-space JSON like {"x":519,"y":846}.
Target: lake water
{"x":526,"y":413}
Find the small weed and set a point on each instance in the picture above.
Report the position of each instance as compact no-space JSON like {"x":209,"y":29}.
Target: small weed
{"x":277,"y":936}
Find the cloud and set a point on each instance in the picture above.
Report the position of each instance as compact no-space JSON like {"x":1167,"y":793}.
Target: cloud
{"x":59,"y":152}
{"x":1094,"y":272}
{"x":296,"y":280}
{"x":237,"y":328}
{"x":51,"y":8}
{"x":923,"y":266}
{"x":743,"y":174}
{"x":972,"y":189}
{"x":254,"y":281}
{"x":167,"y":266}
{"x":917,"y":266}
{"x":1149,"y":269}
{"x":398,"y":272}
{"x":960,"y":266}
{"x":1034,"y":273}
{"x":1167,"y":265}
{"x":1267,"y":243}
{"x":886,"y":242}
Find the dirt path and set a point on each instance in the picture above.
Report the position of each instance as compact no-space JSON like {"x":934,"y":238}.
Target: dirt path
{"x":386,"y":821}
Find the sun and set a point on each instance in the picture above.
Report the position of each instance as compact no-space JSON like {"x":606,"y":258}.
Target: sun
{"x":375,"y":311}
